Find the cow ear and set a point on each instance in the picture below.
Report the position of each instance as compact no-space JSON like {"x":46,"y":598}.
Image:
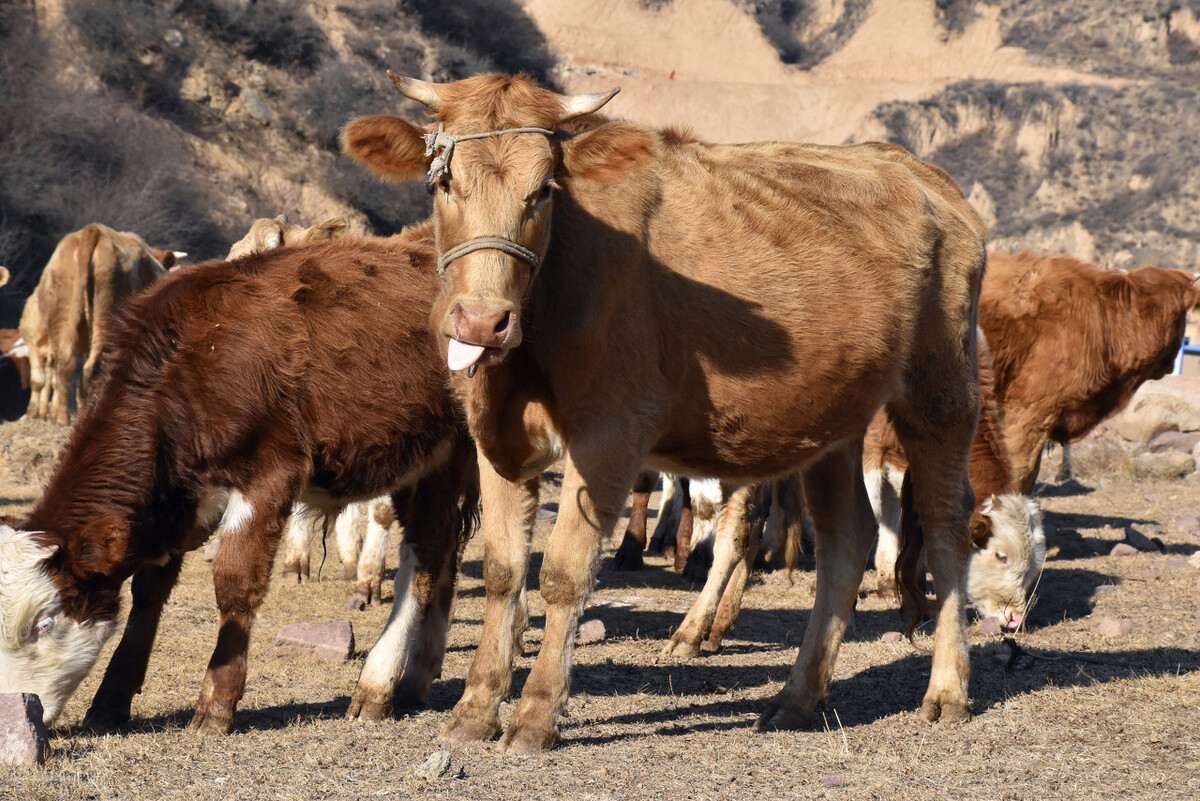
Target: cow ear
{"x":4,"y":276}
{"x":102,"y":546}
{"x":333,"y":227}
{"x":390,"y":147}
{"x":608,"y":153}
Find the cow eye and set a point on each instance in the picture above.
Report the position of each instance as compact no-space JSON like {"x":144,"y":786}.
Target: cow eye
{"x":543,"y":193}
{"x":1002,"y":557}
{"x":443,"y":184}
{"x":44,"y":626}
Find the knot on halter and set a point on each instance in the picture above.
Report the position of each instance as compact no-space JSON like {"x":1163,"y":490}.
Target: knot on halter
{"x":440,"y":145}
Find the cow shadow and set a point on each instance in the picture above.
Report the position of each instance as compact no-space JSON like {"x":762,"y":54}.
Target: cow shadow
{"x":873,"y":694}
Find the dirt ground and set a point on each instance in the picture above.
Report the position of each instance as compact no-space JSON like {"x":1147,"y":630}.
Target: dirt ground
{"x":1086,"y":717}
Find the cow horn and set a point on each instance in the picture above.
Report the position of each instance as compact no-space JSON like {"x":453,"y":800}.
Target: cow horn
{"x":578,"y":105}
{"x":180,"y":254}
{"x":423,"y":92}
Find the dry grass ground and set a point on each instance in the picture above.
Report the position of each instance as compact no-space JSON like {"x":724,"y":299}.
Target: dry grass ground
{"x":1089,"y":717}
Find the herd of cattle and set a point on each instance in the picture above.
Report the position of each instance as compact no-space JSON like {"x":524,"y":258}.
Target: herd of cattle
{"x":812,"y":327}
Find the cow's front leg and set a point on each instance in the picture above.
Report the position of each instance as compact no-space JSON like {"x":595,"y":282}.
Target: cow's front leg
{"x":250,"y":529}
{"x":123,"y":679}
{"x":593,"y":493}
{"x":508,"y":515}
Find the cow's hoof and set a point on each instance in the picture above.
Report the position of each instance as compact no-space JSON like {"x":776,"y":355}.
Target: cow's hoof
{"x":945,"y":711}
{"x":628,"y":556}
{"x":528,"y":739}
{"x":211,"y":724}
{"x":365,"y":705}
{"x":711,"y":645}
{"x":681,"y":649}
{"x":102,"y":719}
{"x":777,"y":717}
{"x":466,"y":730}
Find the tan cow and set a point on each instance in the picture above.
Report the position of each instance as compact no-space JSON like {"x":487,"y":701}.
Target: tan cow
{"x":268,"y":233}
{"x":1072,"y":343}
{"x":787,"y":292}
{"x":90,"y":274}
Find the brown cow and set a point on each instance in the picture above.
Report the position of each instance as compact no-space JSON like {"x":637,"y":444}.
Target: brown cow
{"x":90,"y":274}
{"x":14,"y":374}
{"x":229,"y":390}
{"x":787,"y":292}
{"x":1072,"y":343}
{"x":1006,"y":528}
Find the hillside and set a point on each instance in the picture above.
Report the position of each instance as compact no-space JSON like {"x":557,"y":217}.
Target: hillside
{"x":1070,"y":124}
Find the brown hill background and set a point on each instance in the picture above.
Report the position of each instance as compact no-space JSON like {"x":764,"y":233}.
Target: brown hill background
{"x":1072,"y":125}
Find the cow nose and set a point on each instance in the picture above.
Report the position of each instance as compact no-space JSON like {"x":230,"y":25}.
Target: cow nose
{"x":488,"y":328}
{"x":1013,"y":621}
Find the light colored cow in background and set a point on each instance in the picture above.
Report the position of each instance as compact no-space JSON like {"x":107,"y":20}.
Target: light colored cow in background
{"x":268,"y":233}
{"x":361,"y":535}
{"x":90,"y":274}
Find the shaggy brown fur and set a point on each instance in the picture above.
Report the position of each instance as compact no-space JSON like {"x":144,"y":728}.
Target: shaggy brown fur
{"x":786,"y":292}
{"x":1072,"y":343}
{"x":299,"y":373}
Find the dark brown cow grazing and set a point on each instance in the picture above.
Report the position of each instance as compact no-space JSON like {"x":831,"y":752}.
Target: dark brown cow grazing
{"x":1072,"y":343}
{"x":230,"y":390}
{"x":786,"y":291}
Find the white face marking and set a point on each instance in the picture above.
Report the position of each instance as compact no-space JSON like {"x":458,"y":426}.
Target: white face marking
{"x":1002,"y":574}
{"x":42,"y":650}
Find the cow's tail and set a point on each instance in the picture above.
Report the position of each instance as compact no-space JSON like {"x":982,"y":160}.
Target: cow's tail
{"x":910,"y":571}
{"x":89,"y":239}
{"x":791,"y":500}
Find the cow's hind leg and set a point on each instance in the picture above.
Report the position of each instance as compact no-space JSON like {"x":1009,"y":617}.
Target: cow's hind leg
{"x":845,"y":527}
{"x":729,"y":551}
{"x":884,"y":492}
{"x":251,"y":528}
{"x":508,"y":516}
{"x":629,"y":554}
{"x":408,"y":656}
{"x":126,"y":671}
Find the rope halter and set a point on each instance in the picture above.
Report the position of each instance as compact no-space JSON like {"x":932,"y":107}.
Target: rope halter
{"x":440,"y":145}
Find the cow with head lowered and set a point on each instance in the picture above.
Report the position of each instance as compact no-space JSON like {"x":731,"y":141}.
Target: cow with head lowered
{"x":615,"y":295}
{"x":230,"y":390}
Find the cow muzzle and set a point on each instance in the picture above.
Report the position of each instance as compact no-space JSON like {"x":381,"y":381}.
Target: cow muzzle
{"x":480,"y":329}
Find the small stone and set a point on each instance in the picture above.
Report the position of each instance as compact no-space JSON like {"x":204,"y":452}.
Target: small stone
{"x":1168,"y":465}
{"x":892,"y":637}
{"x":834,"y":780}
{"x":355,"y":604}
{"x":990,"y":626}
{"x":1105,"y":589}
{"x":1123,"y":549}
{"x":173,"y":37}
{"x":435,"y":766}
{"x":1174,"y":441}
{"x":1110,"y":626}
{"x":332,"y":641}
{"x":23,"y":736}
{"x":1188,"y":524}
{"x":256,"y":105}
{"x":591,"y":631}
{"x":1194,"y":560}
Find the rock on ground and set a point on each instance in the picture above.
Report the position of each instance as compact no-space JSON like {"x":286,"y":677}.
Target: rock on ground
{"x":435,"y":766}
{"x":1123,"y":549}
{"x":331,"y":640}
{"x":1174,"y":441}
{"x":1166,"y":465}
{"x":23,"y":736}
{"x":990,"y":626}
{"x":1171,"y":403}
{"x":1111,"y":626}
{"x":591,"y":631}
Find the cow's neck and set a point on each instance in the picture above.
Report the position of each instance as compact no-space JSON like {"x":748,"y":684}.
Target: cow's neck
{"x":92,"y":511}
{"x":511,"y":415}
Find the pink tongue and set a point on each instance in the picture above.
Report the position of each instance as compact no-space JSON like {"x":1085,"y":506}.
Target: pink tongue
{"x":460,"y":355}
